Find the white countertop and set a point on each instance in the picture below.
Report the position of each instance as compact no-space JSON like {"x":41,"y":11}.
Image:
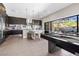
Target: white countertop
{"x":73,"y":41}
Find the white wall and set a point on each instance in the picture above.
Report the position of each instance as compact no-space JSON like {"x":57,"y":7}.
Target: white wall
{"x":68,"y":11}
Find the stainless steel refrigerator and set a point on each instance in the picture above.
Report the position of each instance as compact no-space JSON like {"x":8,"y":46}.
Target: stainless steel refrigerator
{"x":2,"y":28}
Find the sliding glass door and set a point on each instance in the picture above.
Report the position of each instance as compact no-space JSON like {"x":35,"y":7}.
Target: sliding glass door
{"x":78,"y":25}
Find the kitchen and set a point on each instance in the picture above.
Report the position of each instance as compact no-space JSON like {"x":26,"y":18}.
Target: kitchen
{"x":17,"y":26}
{"x":24,"y":30}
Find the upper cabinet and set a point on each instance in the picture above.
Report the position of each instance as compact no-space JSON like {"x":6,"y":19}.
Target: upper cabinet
{"x":37,"y":22}
{"x":16,"y":20}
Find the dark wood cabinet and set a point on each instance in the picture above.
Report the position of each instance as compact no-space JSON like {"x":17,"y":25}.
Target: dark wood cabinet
{"x":13,"y":32}
{"x":16,"y":20}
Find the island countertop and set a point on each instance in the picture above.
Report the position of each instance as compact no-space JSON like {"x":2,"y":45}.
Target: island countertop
{"x":71,"y":39}
{"x":69,"y":44}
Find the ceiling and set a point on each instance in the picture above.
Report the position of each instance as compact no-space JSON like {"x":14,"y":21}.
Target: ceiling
{"x":33,"y":10}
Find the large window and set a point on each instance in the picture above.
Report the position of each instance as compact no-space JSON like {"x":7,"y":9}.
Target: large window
{"x":67,"y":26}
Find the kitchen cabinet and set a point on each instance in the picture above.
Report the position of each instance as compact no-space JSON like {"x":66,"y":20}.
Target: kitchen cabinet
{"x":37,"y":22}
{"x":16,"y":20}
{"x":13,"y":32}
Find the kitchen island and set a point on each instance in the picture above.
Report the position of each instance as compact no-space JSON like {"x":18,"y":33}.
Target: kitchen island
{"x":69,"y":44}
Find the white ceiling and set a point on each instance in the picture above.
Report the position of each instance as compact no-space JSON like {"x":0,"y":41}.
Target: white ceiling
{"x":33,"y":10}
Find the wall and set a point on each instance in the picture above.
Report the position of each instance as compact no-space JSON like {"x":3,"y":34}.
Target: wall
{"x":68,"y":11}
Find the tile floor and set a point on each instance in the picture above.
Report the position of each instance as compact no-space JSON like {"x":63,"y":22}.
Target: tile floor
{"x":17,"y":46}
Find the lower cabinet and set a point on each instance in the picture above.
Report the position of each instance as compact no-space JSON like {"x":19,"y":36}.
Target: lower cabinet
{"x":13,"y":32}
{"x":7,"y":33}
